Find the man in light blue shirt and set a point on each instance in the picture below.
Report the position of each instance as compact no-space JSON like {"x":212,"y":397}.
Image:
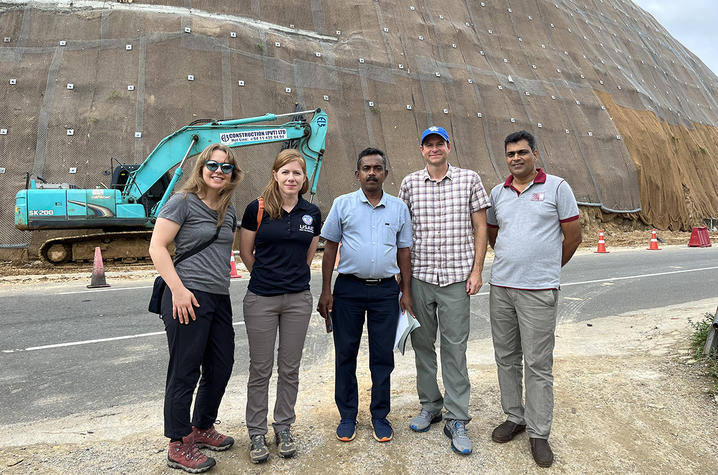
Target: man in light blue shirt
{"x":375,"y":231}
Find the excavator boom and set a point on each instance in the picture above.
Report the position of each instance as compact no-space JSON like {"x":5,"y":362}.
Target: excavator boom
{"x":127,"y":210}
{"x":192,"y":139}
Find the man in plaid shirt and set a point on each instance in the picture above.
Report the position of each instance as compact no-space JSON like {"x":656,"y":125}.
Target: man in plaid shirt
{"x":448,"y":214}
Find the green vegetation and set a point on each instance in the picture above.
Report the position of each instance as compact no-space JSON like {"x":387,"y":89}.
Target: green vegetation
{"x":113,"y":95}
{"x":92,"y":120}
{"x":674,"y":142}
{"x":260,"y":46}
{"x":701,"y":329}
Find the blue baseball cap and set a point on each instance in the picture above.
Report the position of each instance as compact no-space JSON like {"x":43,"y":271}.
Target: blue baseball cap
{"x":434,"y":130}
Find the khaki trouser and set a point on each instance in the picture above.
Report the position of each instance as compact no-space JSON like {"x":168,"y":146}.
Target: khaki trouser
{"x":263,"y":316}
{"x":523,"y":324}
{"x":446,"y":309}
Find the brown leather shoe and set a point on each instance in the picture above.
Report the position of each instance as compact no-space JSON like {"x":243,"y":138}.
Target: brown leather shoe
{"x":506,"y":431}
{"x":541,"y":451}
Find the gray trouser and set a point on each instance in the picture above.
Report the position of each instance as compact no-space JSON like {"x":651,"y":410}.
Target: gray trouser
{"x":262,"y":317}
{"x":445,"y":308}
{"x":523,"y":324}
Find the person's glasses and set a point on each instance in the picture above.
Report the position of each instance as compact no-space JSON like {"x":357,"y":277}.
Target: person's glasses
{"x":213,"y":166}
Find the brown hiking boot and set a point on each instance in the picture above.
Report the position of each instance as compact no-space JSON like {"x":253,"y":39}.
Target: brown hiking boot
{"x":506,"y":431}
{"x":541,"y":451}
{"x":211,"y":439}
{"x":185,"y":455}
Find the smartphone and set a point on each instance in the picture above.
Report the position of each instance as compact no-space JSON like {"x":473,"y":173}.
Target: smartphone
{"x":328,"y":322}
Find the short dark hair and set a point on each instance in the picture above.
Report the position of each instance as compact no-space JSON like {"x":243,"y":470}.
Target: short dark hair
{"x":519,"y":136}
{"x":371,"y":151}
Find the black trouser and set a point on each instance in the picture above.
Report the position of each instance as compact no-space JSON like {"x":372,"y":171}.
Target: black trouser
{"x":206,"y":343}
{"x":352,"y":300}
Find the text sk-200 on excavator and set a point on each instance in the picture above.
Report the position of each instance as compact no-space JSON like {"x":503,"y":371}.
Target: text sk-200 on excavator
{"x":126,"y":211}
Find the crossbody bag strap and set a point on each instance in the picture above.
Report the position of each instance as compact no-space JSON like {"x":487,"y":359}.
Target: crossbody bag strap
{"x":197,"y":249}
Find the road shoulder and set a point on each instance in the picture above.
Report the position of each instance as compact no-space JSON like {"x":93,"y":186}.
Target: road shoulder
{"x":625,"y":401}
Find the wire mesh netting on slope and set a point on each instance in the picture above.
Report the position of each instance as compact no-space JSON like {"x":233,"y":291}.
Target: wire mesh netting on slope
{"x":577,"y":74}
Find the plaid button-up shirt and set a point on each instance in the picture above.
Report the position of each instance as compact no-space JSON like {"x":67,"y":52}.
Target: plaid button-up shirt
{"x":443,"y":250}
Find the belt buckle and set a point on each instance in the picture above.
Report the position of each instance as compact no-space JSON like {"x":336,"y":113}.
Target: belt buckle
{"x":372,"y":281}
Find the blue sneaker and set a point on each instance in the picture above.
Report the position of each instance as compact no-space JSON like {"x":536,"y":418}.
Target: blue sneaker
{"x":456,"y":431}
{"x":382,"y":430}
{"x":423,"y":421}
{"x":346,"y":430}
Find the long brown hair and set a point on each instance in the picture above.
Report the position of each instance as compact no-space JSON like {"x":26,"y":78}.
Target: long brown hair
{"x":195,"y":183}
{"x":272,"y":198}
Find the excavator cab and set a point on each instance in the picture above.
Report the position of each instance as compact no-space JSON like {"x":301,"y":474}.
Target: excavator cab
{"x":120,"y":176}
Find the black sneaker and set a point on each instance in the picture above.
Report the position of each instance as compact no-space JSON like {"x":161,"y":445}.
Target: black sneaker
{"x":258,"y":451}
{"x":285,"y":443}
{"x":346,"y":430}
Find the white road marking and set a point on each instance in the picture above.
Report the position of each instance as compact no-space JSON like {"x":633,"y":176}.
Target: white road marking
{"x":610,"y":280}
{"x":639,"y":276}
{"x":87,"y":342}
{"x":106,"y":289}
{"x":143,"y":335}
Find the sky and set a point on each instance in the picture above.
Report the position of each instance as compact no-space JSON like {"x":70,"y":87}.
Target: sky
{"x":692,"y":22}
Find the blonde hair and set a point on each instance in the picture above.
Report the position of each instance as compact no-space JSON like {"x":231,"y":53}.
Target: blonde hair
{"x":271,"y":196}
{"x":196,"y":184}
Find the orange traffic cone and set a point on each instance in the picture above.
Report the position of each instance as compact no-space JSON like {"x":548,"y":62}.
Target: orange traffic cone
{"x":654,"y":242}
{"x":98,"y":272}
{"x":233,"y":267}
{"x":601,"y":244}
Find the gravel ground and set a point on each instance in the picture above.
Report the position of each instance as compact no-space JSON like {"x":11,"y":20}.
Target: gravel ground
{"x":628,"y":399}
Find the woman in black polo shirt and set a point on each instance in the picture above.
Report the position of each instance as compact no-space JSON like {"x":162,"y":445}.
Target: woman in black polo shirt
{"x":277,"y":250}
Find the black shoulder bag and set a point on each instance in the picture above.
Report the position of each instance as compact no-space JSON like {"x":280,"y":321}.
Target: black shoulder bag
{"x":158,"y":288}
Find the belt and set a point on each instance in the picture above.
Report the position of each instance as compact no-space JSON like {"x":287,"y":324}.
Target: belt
{"x":366,"y":281}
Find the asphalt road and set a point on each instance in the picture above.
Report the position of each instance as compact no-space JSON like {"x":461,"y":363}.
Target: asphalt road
{"x":67,"y":349}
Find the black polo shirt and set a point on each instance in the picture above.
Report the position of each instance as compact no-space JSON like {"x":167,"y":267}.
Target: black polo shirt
{"x":280,"y":254}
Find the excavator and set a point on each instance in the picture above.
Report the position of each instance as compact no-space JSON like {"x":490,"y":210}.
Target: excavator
{"x":125,"y":213}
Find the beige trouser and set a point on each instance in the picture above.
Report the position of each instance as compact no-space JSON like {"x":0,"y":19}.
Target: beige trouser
{"x":263,"y":316}
{"x":523,"y":323}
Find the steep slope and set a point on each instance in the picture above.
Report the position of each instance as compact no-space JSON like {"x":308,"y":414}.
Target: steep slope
{"x":621,"y":109}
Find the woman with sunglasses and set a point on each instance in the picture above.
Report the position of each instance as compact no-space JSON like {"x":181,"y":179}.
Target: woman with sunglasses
{"x":277,"y":249}
{"x":196,"y":308}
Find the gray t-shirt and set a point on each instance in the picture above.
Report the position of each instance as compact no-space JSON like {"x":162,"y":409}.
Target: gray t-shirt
{"x":207,"y":270}
{"x":529,"y":241}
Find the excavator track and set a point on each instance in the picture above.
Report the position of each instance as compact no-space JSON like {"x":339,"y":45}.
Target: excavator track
{"x":125,"y":246}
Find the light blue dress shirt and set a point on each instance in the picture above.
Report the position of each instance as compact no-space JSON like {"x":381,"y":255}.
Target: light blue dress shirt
{"x":370,"y":235}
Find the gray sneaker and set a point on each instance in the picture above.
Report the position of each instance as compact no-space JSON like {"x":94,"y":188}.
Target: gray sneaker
{"x":285,"y":443}
{"x":258,"y":451}
{"x":456,"y":431}
{"x":423,"y":421}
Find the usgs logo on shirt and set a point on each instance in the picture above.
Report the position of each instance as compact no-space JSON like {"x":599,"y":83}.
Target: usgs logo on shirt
{"x":307,"y":226}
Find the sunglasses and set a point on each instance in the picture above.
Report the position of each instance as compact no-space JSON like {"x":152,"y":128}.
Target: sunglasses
{"x":212,"y":166}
